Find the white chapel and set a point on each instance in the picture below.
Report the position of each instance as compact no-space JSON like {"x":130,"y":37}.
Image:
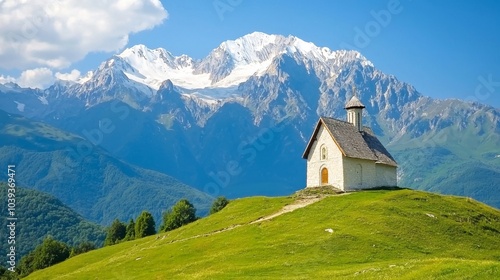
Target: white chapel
{"x":348,"y":156}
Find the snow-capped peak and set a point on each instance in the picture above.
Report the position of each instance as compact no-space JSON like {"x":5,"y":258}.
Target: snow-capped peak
{"x":260,"y":48}
{"x":85,"y":78}
{"x":228,"y":65}
{"x":140,"y":56}
{"x":257,"y":47}
{"x":153,"y":66}
{"x":250,"y":48}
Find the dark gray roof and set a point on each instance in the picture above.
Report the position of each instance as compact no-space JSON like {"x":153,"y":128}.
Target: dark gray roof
{"x":354,"y":103}
{"x":353,"y":143}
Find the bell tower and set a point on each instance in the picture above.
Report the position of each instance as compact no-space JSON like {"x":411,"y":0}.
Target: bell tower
{"x":355,"y":111}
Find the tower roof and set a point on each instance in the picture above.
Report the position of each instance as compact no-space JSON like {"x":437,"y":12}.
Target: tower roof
{"x":354,"y":103}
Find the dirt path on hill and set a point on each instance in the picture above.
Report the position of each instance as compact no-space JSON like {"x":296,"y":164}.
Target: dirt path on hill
{"x":299,"y":203}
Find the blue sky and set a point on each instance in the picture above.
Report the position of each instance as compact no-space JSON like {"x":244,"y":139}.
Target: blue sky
{"x":441,"y":47}
{"x":446,"y":49}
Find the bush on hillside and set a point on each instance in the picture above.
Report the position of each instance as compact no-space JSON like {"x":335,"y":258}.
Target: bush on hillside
{"x":218,"y":204}
{"x":181,"y":214}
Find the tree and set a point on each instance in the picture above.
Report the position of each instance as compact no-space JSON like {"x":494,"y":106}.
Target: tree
{"x":116,"y":232}
{"x":218,"y":204}
{"x":130,"y":232}
{"x":49,"y":253}
{"x":181,"y":214}
{"x":26,"y":264}
{"x":144,"y":225}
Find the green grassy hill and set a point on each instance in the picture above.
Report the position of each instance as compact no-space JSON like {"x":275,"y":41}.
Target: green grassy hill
{"x":401,"y":234}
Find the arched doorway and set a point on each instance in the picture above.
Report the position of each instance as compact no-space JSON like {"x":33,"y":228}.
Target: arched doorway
{"x":324,"y":176}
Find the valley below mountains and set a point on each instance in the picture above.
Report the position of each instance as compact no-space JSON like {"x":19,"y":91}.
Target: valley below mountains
{"x":234,"y":123}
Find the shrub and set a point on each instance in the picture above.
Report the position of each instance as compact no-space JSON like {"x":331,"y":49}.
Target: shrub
{"x":181,"y":214}
{"x":218,"y":204}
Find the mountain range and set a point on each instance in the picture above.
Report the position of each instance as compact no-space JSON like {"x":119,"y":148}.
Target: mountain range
{"x":236,"y":122}
{"x":84,"y":177}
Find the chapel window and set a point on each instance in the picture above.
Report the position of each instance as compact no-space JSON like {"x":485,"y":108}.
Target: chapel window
{"x":324,"y":153}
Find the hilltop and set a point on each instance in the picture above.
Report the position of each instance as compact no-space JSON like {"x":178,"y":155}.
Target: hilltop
{"x":397,"y":234}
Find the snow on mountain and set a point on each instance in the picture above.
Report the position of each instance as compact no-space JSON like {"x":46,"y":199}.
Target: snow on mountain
{"x":85,"y":78}
{"x":230,"y":64}
{"x":136,"y":74}
{"x":152,"y":67}
{"x":216,"y":77}
{"x":251,"y":48}
{"x":210,"y":107}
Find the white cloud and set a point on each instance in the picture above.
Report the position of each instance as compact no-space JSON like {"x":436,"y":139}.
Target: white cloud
{"x":43,"y":77}
{"x":74,"y":75}
{"x":55,"y":33}
{"x":8,"y":79}
{"x":36,"y":78}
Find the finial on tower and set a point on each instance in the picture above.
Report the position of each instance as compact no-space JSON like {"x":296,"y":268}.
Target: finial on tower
{"x":354,"y":102}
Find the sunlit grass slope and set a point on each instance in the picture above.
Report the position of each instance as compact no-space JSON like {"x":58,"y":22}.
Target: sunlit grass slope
{"x":401,"y":234}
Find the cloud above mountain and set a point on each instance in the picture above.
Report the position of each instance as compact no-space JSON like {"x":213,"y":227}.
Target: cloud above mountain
{"x":36,"y":78}
{"x":55,"y":33}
